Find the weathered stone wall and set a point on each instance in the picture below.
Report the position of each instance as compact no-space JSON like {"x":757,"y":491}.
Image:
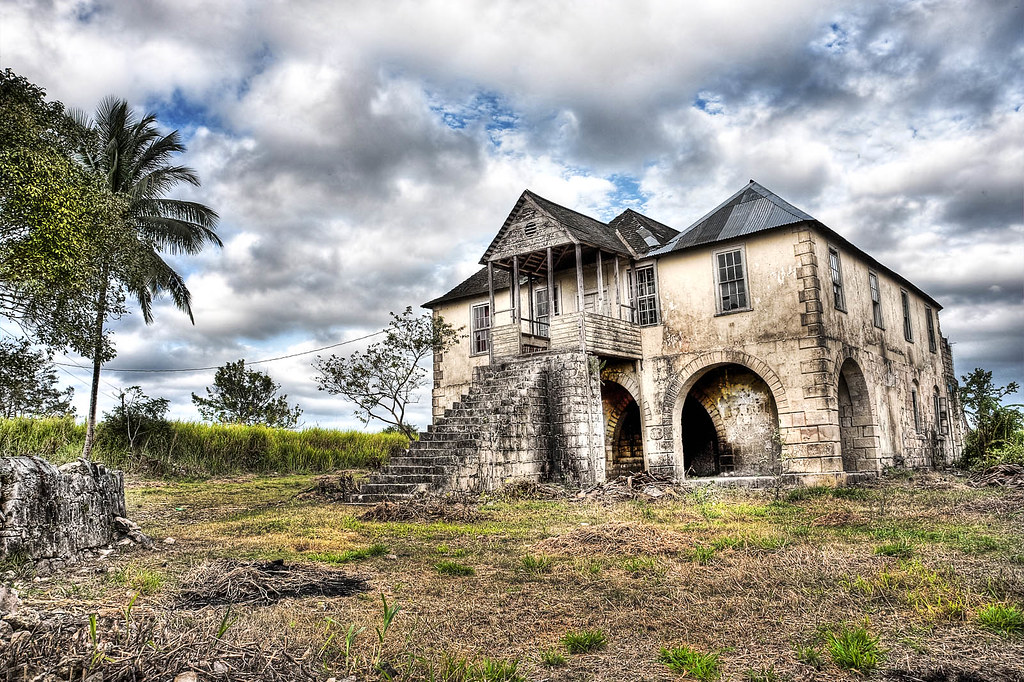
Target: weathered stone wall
{"x":49,"y":512}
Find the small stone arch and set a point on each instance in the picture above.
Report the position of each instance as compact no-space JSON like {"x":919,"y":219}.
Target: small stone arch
{"x":623,"y":430}
{"x":629,"y":381}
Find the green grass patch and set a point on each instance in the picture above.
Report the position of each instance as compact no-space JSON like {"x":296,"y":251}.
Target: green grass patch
{"x":138,"y":578}
{"x":702,"y":554}
{"x":642,"y":565}
{"x":901,"y":549}
{"x":584,"y":641}
{"x":854,"y":649}
{"x":453,"y":568}
{"x":1002,"y":619}
{"x":552,"y":658}
{"x":809,"y":655}
{"x":535,"y":564}
{"x":349,"y":555}
{"x":459,"y":669}
{"x":765,"y":673}
{"x":690,"y":662}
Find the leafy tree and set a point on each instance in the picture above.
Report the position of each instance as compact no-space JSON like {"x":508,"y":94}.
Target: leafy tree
{"x":52,"y":218}
{"x":135,"y":164}
{"x":246,"y":396}
{"x":28,"y":383}
{"x":994,"y":426}
{"x":136,"y":419}
{"x":383,"y":380}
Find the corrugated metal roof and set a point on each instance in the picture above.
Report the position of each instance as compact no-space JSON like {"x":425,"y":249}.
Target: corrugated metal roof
{"x":752,"y":209}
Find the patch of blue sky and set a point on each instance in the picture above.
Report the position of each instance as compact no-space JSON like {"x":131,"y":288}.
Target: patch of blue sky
{"x":627,"y":192}
{"x":485,"y":109}
{"x":181,"y":112}
{"x":258,"y":62}
{"x":709,"y":103}
{"x":835,"y":41}
{"x":85,"y":11}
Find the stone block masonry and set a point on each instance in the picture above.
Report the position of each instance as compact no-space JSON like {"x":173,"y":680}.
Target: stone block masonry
{"x":535,"y":418}
{"x":51,"y":513}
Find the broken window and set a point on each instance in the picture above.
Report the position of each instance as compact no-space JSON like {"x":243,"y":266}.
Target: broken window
{"x":731,"y":274}
{"x":943,"y":416}
{"x":931,"y":328}
{"x":936,"y":409}
{"x":837,"y":279}
{"x":540,"y":304}
{"x":876,"y":300}
{"x":645,"y":296}
{"x":480,"y":323}
{"x":908,"y":331}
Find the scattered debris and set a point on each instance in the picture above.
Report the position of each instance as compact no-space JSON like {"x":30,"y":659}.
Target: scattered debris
{"x":229,"y":581}
{"x":132,"y":531}
{"x":333,"y":488}
{"x":643,"y":486}
{"x":618,"y":538}
{"x":428,"y":508}
{"x":1007,"y":475}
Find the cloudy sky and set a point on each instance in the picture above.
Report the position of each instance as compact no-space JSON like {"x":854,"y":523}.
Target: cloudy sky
{"x":362,"y":154}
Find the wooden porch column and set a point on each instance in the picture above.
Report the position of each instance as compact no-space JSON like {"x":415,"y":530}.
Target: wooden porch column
{"x":490,"y":311}
{"x":600,"y":284}
{"x":579,"y":279}
{"x":618,"y":289}
{"x":515,"y":289}
{"x":551,"y":290}
{"x":529,"y":304}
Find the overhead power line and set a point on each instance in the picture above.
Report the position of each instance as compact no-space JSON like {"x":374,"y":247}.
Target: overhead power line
{"x":254,"y":362}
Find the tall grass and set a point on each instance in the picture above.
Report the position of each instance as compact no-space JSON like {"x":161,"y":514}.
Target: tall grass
{"x":195,"y":450}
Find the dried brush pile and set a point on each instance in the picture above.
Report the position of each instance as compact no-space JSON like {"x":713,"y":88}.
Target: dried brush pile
{"x":229,"y":581}
{"x":617,"y":538}
{"x":332,"y":488}
{"x":139,"y":648}
{"x":1006,"y":475}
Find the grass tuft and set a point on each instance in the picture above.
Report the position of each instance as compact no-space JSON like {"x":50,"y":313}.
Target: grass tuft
{"x":453,"y":568}
{"x":765,"y":673}
{"x":142,"y":580}
{"x":702,"y":554}
{"x":584,"y":641}
{"x":536,"y":564}
{"x":552,"y":658}
{"x":690,"y":662}
{"x":901,"y":549}
{"x":349,"y":555}
{"x":808,"y":655}
{"x":854,"y":649}
{"x":1002,"y":619}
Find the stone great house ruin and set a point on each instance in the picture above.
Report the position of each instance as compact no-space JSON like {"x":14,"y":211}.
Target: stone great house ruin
{"x":757,"y":342}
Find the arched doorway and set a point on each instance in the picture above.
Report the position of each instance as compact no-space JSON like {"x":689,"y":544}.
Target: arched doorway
{"x":855,"y":420}
{"x":623,"y":434}
{"x":730,"y":424}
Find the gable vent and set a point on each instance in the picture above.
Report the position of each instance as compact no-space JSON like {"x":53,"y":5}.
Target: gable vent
{"x":530,"y":229}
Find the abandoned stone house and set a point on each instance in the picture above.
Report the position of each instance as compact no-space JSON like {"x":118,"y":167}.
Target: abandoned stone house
{"x":756,"y":342}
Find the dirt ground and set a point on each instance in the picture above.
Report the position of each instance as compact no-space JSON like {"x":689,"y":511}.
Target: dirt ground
{"x":253,"y":579}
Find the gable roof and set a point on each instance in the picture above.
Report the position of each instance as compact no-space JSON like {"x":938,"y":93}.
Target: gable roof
{"x":474,"y":285}
{"x":643,"y":234}
{"x":752,"y":209}
{"x":581,"y":229}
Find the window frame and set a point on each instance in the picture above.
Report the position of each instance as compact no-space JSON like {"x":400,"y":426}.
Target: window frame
{"x":540,"y":297}
{"x":635,"y":297}
{"x":915,"y":404}
{"x":908,"y":327}
{"x":835,"y":270}
{"x":875,"y":288}
{"x":479,"y":337}
{"x":745,"y":279}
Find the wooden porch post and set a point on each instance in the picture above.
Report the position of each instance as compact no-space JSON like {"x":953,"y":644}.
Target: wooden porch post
{"x":579,"y":279}
{"x":529,"y":304}
{"x":551,"y":290}
{"x":618,"y":289}
{"x":600,"y":284}
{"x":490,"y":311}
{"x":515,"y":289}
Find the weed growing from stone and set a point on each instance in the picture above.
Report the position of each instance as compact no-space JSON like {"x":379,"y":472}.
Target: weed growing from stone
{"x":453,"y":568}
{"x":687,"y":661}
{"x":1003,"y":619}
{"x":584,"y":641}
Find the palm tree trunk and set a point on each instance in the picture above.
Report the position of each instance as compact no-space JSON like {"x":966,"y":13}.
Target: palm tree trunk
{"x":97,"y":361}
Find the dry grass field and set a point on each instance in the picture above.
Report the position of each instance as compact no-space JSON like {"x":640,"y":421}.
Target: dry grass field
{"x":908,"y":578}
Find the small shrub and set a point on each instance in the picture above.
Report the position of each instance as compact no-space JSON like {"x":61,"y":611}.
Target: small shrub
{"x":448,"y":567}
{"x":808,"y":655}
{"x":1002,"y":619}
{"x":551,"y":658}
{"x":901,"y":548}
{"x":854,"y":649}
{"x":349,"y":555}
{"x":584,"y":641}
{"x":536,"y":564}
{"x":687,"y":661}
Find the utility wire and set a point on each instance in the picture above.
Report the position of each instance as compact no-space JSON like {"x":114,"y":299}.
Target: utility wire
{"x":254,"y":362}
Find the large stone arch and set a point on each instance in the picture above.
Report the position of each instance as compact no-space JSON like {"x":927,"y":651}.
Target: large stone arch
{"x":680,"y":387}
{"x":858,"y":427}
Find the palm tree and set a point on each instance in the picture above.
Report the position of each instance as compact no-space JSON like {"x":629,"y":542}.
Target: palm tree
{"x":134,"y":163}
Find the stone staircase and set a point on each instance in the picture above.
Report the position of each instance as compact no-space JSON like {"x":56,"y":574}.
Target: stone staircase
{"x":498,"y":429}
